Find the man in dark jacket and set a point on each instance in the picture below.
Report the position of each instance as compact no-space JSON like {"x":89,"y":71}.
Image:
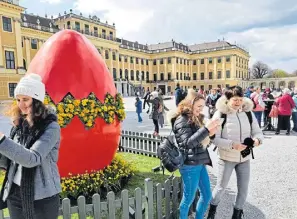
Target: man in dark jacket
{"x":179,"y":94}
{"x":211,"y":101}
{"x":146,"y":97}
{"x":249,"y":91}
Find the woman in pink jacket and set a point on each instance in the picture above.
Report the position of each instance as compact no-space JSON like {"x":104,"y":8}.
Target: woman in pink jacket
{"x":285,"y":106}
{"x":259,"y":105}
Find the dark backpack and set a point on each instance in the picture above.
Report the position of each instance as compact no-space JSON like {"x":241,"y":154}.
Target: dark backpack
{"x":224,"y":116}
{"x":171,"y":156}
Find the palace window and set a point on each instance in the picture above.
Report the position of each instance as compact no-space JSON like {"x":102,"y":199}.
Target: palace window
{"x":147,"y":76}
{"x":126,"y":59}
{"x":77,"y":26}
{"x":111,"y":35}
{"x":87,"y":29}
{"x":114,"y":71}
{"x":180,"y":76}
{"x":209,"y":87}
{"x":210,"y":75}
{"x":228,"y":59}
{"x":131,"y":60}
{"x":202,"y":76}
{"x":169,"y":76}
{"x":9,"y":58}
{"x":176,"y":75}
{"x":176,"y":60}
{"x":169,"y":60}
{"x":155,"y":77}
{"x":228,"y":74}
{"x":137,"y":61}
{"x":202,"y":61}
{"x":219,"y":75}
{"x":194,"y":62}
{"x":209,"y":60}
{"x":194,"y":76}
{"x":103,"y":34}
{"x":147,"y":62}
{"x":6,"y":24}
{"x":11,"y":87}
{"x":121,"y":73}
{"x":161,"y":61}
{"x":219,"y":60}
{"x":132,"y":75}
{"x":137,"y":75}
{"x":142,"y":75}
{"x":126,"y":74}
{"x":155,"y":62}
{"x":120,"y":58}
{"x":34,"y":43}
{"x":162,"y":76}
{"x":106,"y":54}
{"x":96,"y":31}
{"x":142,"y":62}
{"x":114,"y":56}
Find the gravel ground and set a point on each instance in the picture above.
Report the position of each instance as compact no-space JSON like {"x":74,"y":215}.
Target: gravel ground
{"x":273,"y":184}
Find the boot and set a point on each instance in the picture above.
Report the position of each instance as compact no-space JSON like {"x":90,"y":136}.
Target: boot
{"x":237,"y":214}
{"x":212,"y":211}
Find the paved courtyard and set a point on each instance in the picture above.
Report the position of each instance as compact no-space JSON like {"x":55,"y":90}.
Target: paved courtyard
{"x":273,"y":184}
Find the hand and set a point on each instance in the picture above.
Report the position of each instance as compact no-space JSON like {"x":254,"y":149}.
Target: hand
{"x":238,"y":146}
{"x":212,"y":124}
{"x":256,"y":142}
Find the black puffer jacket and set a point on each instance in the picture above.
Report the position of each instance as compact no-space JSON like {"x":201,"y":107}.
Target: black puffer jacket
{"x":189,"y":136}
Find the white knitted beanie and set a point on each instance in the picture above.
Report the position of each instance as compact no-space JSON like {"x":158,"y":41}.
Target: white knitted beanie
{"x":31,"y":85}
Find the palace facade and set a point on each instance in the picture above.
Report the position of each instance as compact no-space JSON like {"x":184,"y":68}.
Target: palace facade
{"x":133,"y":65}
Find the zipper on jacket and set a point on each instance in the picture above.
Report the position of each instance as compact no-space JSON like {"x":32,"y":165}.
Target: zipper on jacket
{"x":240,"y":134}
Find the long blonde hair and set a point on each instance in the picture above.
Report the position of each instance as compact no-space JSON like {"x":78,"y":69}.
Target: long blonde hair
{"x":185,"y":107}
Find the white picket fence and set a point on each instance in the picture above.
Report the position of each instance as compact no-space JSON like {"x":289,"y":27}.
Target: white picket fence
{"x":159,"y":201}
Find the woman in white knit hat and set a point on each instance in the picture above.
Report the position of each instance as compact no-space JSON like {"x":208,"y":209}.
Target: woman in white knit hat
{"x":32,"y":182}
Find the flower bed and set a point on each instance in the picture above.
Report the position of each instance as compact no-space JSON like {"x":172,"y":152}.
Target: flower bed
{"x":113,"y":178}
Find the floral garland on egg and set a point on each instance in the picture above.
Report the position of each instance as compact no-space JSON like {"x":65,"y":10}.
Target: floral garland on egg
{"x":88,"y":109}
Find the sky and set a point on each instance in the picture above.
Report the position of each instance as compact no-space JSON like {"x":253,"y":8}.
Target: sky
{"x":267,"y":28}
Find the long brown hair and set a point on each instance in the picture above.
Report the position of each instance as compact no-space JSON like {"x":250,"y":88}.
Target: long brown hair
{"x":39,"y":112}
{"x":185,"y":107}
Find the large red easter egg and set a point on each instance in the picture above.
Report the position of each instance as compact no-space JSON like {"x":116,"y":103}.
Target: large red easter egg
{"x":69,"y":63}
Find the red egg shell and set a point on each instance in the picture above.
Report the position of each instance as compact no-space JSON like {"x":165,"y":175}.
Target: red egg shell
{"x":69,"y":63}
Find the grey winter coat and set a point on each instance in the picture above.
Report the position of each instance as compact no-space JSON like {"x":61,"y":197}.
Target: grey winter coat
{"x":43,"y":155}
{"x":155,"y":108}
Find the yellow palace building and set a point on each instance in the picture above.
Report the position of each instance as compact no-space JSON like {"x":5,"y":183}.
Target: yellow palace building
{"x":132,"y":64}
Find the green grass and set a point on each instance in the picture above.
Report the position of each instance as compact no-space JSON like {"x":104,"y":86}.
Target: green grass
{"x":143,"y":164}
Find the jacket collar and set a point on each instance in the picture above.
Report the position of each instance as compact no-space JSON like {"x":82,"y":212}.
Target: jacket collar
{"x":223,"y":107}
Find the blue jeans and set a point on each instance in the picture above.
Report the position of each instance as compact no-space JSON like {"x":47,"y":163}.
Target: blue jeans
{"x":294,"y":117}
{"x":195,"y":177}
{"x":139,"y":117}
{"x":258,"y":116}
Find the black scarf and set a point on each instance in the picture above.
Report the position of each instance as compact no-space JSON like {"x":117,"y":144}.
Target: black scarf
{"x":27,"y":136}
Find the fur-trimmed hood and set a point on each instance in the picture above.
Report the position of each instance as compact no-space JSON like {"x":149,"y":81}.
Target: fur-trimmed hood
{"x":223,"y":107}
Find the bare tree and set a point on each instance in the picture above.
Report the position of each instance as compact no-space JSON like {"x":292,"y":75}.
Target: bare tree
{"x":260,"y":69}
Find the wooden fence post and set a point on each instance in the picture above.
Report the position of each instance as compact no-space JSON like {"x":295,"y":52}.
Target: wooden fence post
{"x":81,"y":203}
{"x":96,"y":206}
{"x":138,"y":203}
{"x":125,"y":204}
{"x":66,"y":208}
{"x":149,"y":194}
{"x":159,"y":198}
{"x":111,"y":205}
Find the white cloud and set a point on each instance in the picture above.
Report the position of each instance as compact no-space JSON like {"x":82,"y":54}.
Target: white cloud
{"x":192,"y":21}
{"x":127,"y":15}
{"x":275,"y":45}
{"x":51,"y":1}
